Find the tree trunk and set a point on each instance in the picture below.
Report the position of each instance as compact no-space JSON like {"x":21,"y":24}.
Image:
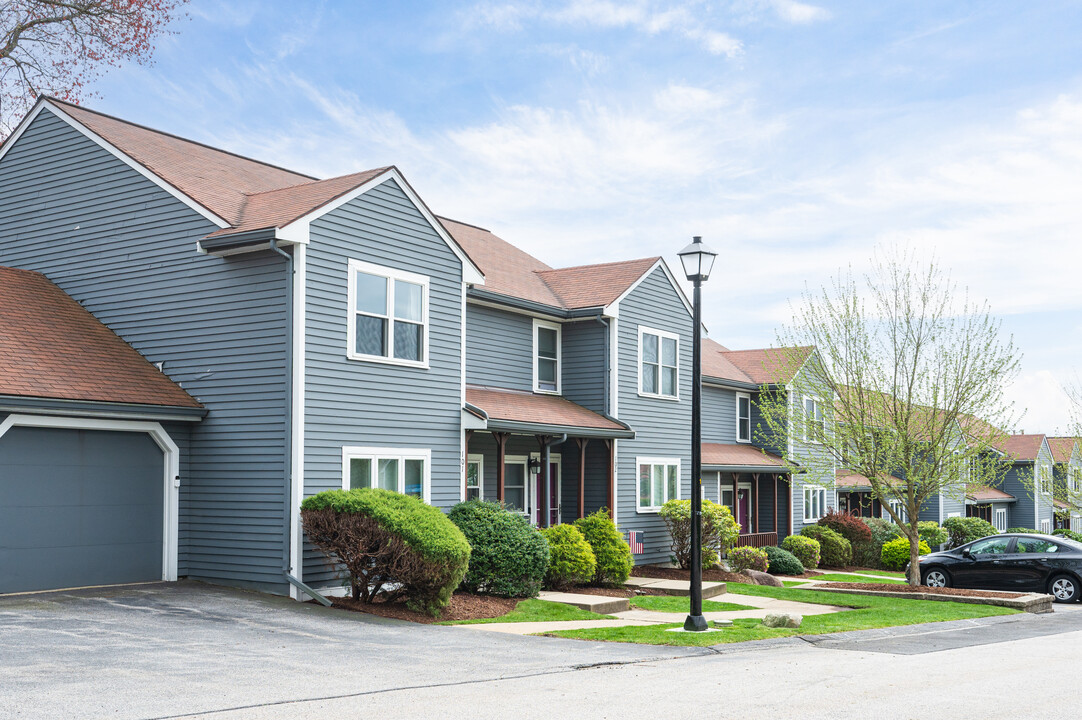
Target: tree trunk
{"x":914,"y":554}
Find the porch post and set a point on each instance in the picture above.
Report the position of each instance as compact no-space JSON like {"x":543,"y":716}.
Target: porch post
{"x":611,"y":445}
{"x":501,"y":445}
{"x":755,"y":492}
{"x":736,"y":497}
{"x":776,"y":512}
{"x":789,"y":505}
{"x":582,"y":442}
{"x":546,"y":480}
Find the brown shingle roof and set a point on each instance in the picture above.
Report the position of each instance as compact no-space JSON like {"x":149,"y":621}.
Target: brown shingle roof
{"x":1021,"y":447}
{"x":1062,"y":448}
{"x":717,"y":365}
{"x":526,"y":407}
{"x":727,"y":455}
{"x":52,"y":347}
{"x":769,"y":366}
{"x":983,"y":492}
{"x":595,"y":285}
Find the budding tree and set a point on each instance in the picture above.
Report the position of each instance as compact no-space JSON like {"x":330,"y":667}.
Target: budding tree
{"x":911,"y":364}
{"x":57,"y":47}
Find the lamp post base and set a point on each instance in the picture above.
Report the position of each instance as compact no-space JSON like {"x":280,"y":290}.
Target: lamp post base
{"x":695,"y":623}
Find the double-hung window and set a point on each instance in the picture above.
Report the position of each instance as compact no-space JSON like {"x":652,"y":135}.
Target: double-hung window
{"x":815,"y":501}
{"x":475,"y":481}
{"x":899,"y":509}
{"x":388,"y":315}
{"x":400,"y":470}
{"x":1044,"y":475}
{"x":659,"y":482}
{"x":814,"y":424}
{"x":546,"y":357}
{"x":514,"y":483}
{"x":743,"y":417}
{"x":659,"y":374}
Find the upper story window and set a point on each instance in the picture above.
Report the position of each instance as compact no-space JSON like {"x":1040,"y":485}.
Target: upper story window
{"x":398,"y":469}
{"x":388,"y":315}
{"x":1072,"y":478}
{"x":659,"y":374}
{"x":743,"y":417}
{"x":546,"y":356}
{"x":814,"y":425}
{"x":1044,"y":476}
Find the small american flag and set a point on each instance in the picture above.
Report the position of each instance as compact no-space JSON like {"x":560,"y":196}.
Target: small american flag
{"x":634,"y":538}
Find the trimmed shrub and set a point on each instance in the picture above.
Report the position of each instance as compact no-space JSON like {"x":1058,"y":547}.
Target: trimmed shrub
{"x":804,"y":549}
{"x":846,"y":525}
{"x":571,"y":560}
{"x":748,"y":558}
{"x":1069,"y":534}
{"x":931,"y":533}
{"x":782,"y":562}
{"x":867,"y":554}
{"x":1031,"y":531}
{"x":509,"y":556}
{"x":611,"y":551}
{"x":962,"y":530}
{"x":895,"y":553}
{"x":384,"y":538}
{"x":834,"y":550}
{"x":719,"y":530}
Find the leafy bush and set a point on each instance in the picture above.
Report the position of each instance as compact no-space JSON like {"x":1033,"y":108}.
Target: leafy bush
{"x":1031,"y":531}
{"x":509,"y":557}
{"x":1070,"y":534}
{"x":931,"y":533}
{"x":804,"y":549}
{"x":866,"y":554}
{"x":384,"y":538}
{"x":895,"y":553}
{"x":571,"y":559}
{"x":849,"y":527}
{"x":782,"y":562}
{"x":962,"y":530}
{"x":611,"y":551}
{"x":748,"y":558}
{"x":835,"y":551}
{"x":719,"y":531}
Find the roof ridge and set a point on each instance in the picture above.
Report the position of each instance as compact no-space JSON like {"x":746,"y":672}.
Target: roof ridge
{"x":316,"y":182}
{"x":605,"y":264}
{"x":52,"y":99}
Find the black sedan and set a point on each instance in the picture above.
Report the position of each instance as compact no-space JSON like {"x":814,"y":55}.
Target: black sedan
{"x":1019,"y":563}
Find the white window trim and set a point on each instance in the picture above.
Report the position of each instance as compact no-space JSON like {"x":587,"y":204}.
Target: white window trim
{"x":639,"y":462}
{"x":1046,"y":527}
{"x":822,"y":503}
{"x":524,"y":461}
{"x":478,"y":458}
{"x":353,"y":452}
{"x":997,"y":513}
{"x":899,"y":509}
{"x":559,"y":355}
{"x":643,"y":330}
{"x":808,"y":421}
{"x":393,"y":274}
{"x":747,"y":397}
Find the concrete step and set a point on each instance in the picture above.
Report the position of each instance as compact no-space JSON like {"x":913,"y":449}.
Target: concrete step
{"x":679,"y":588}
{"x":594,"y":603}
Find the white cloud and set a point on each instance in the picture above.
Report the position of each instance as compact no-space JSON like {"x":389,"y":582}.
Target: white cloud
{"x":799,"y":13}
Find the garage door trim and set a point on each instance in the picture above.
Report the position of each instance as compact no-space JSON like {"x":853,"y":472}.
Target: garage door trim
{"x":170,"y":472}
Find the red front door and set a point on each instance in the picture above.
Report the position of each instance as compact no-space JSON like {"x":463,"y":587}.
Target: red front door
{"x":553,"y":495}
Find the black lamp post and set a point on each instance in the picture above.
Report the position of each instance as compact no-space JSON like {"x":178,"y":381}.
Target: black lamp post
{"x":697,"y":260}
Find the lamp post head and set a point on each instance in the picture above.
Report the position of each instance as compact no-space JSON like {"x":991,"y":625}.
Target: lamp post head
{"x":697,"y":260}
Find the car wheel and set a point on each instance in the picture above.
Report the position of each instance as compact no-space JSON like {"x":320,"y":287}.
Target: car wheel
{"x":1064,"y":589}
{"x":936,"y":577}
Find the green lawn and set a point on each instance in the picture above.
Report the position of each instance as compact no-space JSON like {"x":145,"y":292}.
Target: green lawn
{"x":793,"y":583}
{"x":850,"y":577}
{"x":867,"y":612}
{"x":670,"y":604}
{"x":535,"y":611}
{"x":888,"y":573}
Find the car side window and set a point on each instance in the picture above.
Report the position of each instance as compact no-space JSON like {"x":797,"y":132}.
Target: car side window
{"x":990,"y":546}
{"x":1035,"y":545}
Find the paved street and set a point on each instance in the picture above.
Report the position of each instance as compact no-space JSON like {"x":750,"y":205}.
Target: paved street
{"x":191,"y":650}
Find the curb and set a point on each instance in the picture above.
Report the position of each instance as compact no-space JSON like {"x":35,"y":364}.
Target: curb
{"x":1026,"y":602}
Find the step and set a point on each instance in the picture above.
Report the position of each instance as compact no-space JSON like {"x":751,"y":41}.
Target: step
{"x":679,"y":588}
{"x":602,"y":604}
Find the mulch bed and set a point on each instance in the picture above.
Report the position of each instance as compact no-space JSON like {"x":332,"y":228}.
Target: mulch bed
{"x":667,"y":573}
{"x":923,"y":589}
{"x":463,"y":606}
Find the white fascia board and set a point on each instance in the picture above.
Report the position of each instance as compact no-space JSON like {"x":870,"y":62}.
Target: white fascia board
{"x":613,"y":309}
{"x":23,"y":124}
{"x":298,"y":230}
{"x":130,"y":162}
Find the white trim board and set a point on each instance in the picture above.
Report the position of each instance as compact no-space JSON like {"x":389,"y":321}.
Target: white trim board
{"x":170,"y":473}
{"x":613,"y":308}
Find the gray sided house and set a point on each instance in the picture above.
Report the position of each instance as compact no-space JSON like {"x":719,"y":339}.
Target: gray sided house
{"x":314,"y":329}
{"x":743,"y":464}
{"x":1067,"y":482}
{"x":1029,"y":481}
{"x":588,"y":367}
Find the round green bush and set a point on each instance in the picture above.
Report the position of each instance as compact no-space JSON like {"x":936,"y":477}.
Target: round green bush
{"x":387,"y":539}
{"x":719,"y":531}
{"x":895,"y":553}
{"x":509,"y":556}
{"x":931,"y":533}
{"x":835,"y":551}
{"x":1069,"y":534}
{"x":1024,"y":531}
{"x":866,"y":554}
{"x":571,"y":560}
{"x":962,"y":530}
{"x":805,"y":549}
{"x":848,"y":526}
{"x":611,"y":551}
{"x":782,"y":562}
{"x":748,"y":558}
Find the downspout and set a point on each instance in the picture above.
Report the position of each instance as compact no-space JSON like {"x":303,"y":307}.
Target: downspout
{"x":288,"y":435}
{"x":546,"y":481}
{"x":608,"y":362}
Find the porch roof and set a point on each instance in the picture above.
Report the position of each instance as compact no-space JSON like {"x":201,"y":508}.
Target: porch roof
{"x":984,"y":494}
{"x":853,"y":481}
{"x":724,"y":456}
{"x":518,"y":411}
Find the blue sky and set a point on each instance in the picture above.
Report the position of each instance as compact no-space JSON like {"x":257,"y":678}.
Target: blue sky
{"x":795,"y":137}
